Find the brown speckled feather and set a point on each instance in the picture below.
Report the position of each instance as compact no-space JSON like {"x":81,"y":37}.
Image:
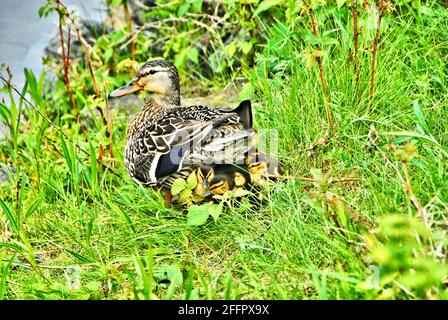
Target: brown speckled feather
{"x":155,"y":136}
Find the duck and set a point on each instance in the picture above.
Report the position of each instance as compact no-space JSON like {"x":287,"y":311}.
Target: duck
{"x":166,"y":141}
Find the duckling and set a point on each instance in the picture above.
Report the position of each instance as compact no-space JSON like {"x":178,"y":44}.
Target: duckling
{"x":261,"y":167}
{"x":217,"y":180}
{"x":204,"y":174}
{"x":166,"y":141}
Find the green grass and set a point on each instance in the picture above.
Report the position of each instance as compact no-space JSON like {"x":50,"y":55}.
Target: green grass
{"x":72,"y":230}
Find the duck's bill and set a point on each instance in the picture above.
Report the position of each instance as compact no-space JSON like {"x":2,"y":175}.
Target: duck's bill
{"x":207,"y":194}
{"x":130,"y":88}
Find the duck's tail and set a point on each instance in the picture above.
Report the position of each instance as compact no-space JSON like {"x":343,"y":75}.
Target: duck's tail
{"x":244,"y":111}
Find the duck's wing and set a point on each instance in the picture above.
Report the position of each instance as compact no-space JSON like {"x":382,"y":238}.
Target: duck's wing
{"x":160,"y":148}
{"x":204,"y":113}
{"x":241,"y":114}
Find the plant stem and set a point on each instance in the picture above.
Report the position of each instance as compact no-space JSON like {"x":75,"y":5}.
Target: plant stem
{"x":86,"y":46}
{"x":65,"y":59}
{"x":129,"y":20}
{"x":343,"y":180}
{"x":69,"y":42}
{"x":408,"y":188}
{"x":109,"y":13}
{"x":321,"y":69}
{"x":379,"y":5}
{"x":18,"y":187}
{"x":36,"y":158}
{"x":355,"y":40}
{"x":109,"y":120}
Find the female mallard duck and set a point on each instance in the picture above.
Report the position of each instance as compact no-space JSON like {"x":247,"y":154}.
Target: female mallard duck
{"x":166,"y":141}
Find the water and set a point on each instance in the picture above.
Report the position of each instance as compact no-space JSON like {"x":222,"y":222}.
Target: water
{"x":24,"y":36}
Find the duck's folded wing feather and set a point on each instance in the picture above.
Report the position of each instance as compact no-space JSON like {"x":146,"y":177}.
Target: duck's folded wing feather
{"x":159,"y":149}
{"x":204,"y":113}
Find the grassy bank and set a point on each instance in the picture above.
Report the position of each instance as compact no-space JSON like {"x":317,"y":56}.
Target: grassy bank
{"x":368,"y":221}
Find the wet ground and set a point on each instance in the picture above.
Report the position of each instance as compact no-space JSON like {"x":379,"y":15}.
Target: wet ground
{"x":24,"y":35}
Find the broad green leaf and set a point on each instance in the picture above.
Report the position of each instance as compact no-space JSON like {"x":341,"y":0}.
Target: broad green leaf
{"x":116,"y":3}
{"x":41,"y":11}
{"x":174,"y":275}
{"x":118,"y":36}
{"x":180,"y":58}
{"x":197,"y":5}
{"x":330,"y":41}
{"x":266,"y":4}
{"x":340,"y":3}
{"x":230,"y":49}
{"x":247,"y":92}
{"x":108,"y":54}
{"x":185,"y":195}
{"x":183,"y":9}
{"x":93,"y":286}
{"x":178,"y":185}
{"x":341,"y":213}
{"x":66,"y":153}
{"x":246,"y":47}
{"x":127,"y":65}
{"x":198,"y":214}
{"x":215,"y":210}
{"x":34,"y":89}
{"x":192,"y":54}
{"x":192,"y":181}
{"x":240,"y":192}
{"x":171,"y":273}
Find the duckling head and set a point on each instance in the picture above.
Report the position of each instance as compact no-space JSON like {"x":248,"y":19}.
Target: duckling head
{"x":220,"y":184}
{"x":204,"y":175}
{"x":240,"y":179}
{"x":158,"y":77}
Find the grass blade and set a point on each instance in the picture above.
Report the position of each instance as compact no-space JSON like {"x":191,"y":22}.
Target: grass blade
{"x":5,"y":272}
{"x":79,"y":256}
{"x":420,"y":117}
{"x":419,"y":136}
{"x":12,"y":220}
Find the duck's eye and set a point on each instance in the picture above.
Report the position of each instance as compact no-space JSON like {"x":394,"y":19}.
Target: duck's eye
{"x":152,"y":71}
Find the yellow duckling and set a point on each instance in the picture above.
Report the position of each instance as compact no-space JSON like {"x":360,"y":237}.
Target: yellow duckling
{"x":260,"y":167}
{"x":219,"y":179}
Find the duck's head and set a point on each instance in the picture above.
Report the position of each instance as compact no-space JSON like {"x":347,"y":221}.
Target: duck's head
{"x":158,"y":77}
